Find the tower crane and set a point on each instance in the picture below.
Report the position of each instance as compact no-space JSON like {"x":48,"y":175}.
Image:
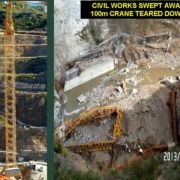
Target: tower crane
{"x":10,"y":170}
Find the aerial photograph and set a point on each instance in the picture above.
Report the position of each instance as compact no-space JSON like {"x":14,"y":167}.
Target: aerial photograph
{"x":116,"y":97}
{"x":23,"y":90}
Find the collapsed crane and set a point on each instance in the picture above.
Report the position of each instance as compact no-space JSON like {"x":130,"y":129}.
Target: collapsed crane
{"x":89,"y":116}
{"x":11,"y":169}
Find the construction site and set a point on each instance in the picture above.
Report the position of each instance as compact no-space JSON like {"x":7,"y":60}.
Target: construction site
{"x":117,"y":97}
{"x":23,"y":90}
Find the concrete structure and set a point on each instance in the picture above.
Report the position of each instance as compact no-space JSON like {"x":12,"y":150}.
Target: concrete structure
{"x":91,"y":70}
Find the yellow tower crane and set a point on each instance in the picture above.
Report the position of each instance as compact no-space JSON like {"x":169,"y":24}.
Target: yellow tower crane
{"x":11,"y":170}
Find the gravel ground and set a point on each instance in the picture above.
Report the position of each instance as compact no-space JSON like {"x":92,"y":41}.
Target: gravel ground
{"x":95,"y":132}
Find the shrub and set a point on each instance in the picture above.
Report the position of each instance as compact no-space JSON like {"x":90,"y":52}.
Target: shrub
{"x":69,"y":174}
{"x":59,"y":148}
{"x":144,"y":169}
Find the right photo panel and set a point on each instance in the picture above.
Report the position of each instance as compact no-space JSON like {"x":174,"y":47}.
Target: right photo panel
{"x":116,"y":93}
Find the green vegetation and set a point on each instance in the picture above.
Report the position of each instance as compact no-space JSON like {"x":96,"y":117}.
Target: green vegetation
{"x":114,"y":173}
{"x":172,"y":169}
{"x":21,"y":6}
{"x":32,"y":70}
{"x":144,"y":170}
{"x":69,"y":174}
{"x":32,"y":78}
{"x":28,"y":21}
{"x":2,"y":6}
{"x":59,"y":148}
{"x":87,"y":33}
{"x":39,"y":78}
{"x":25,"y":17}
{"x":149,"y":169}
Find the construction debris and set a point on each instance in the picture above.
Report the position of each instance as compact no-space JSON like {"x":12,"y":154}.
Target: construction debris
{"x":81,"y":98}
{"x":170,"y":81}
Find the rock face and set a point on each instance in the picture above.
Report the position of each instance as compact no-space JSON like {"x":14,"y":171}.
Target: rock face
{"x":72,"y":161}
{"x":67,"y":24}
{"x":27,"y":106}
{"x":32,"y":140}
{"x":40,"y":50}
{"x":67,"y":46}
{"x":27,"y":112}
{"x":100,"y":159}
{"x":59,"y":106}
{"x":178,"y":109}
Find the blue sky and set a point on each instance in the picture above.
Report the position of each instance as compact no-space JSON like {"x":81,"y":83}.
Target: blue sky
{"x":35,"y":3}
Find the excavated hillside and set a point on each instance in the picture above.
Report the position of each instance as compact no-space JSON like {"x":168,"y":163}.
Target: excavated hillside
{"x":30,"y":80}
{"x":31,"y":96}
{"x":31,"y":103}
{"x":31,"y":147}
{"x":28,"y":45}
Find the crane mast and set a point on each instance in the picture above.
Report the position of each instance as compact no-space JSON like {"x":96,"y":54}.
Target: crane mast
{"x":11,"y":168}
{"x":9,"y":84}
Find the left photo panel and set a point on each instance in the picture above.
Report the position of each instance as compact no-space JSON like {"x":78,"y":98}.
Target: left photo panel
{"x":23,"y":90}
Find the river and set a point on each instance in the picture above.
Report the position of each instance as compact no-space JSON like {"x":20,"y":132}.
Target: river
{"x":150,"y":76}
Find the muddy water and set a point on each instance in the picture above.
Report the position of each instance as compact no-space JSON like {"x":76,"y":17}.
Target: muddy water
{"x":150,"y":76}
{"x":72,"y":103}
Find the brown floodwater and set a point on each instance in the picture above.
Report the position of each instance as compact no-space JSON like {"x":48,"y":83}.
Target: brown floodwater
{"x":150,"y":76}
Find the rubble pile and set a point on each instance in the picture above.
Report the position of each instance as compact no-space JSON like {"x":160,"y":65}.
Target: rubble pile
{"x":94,"y":132}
